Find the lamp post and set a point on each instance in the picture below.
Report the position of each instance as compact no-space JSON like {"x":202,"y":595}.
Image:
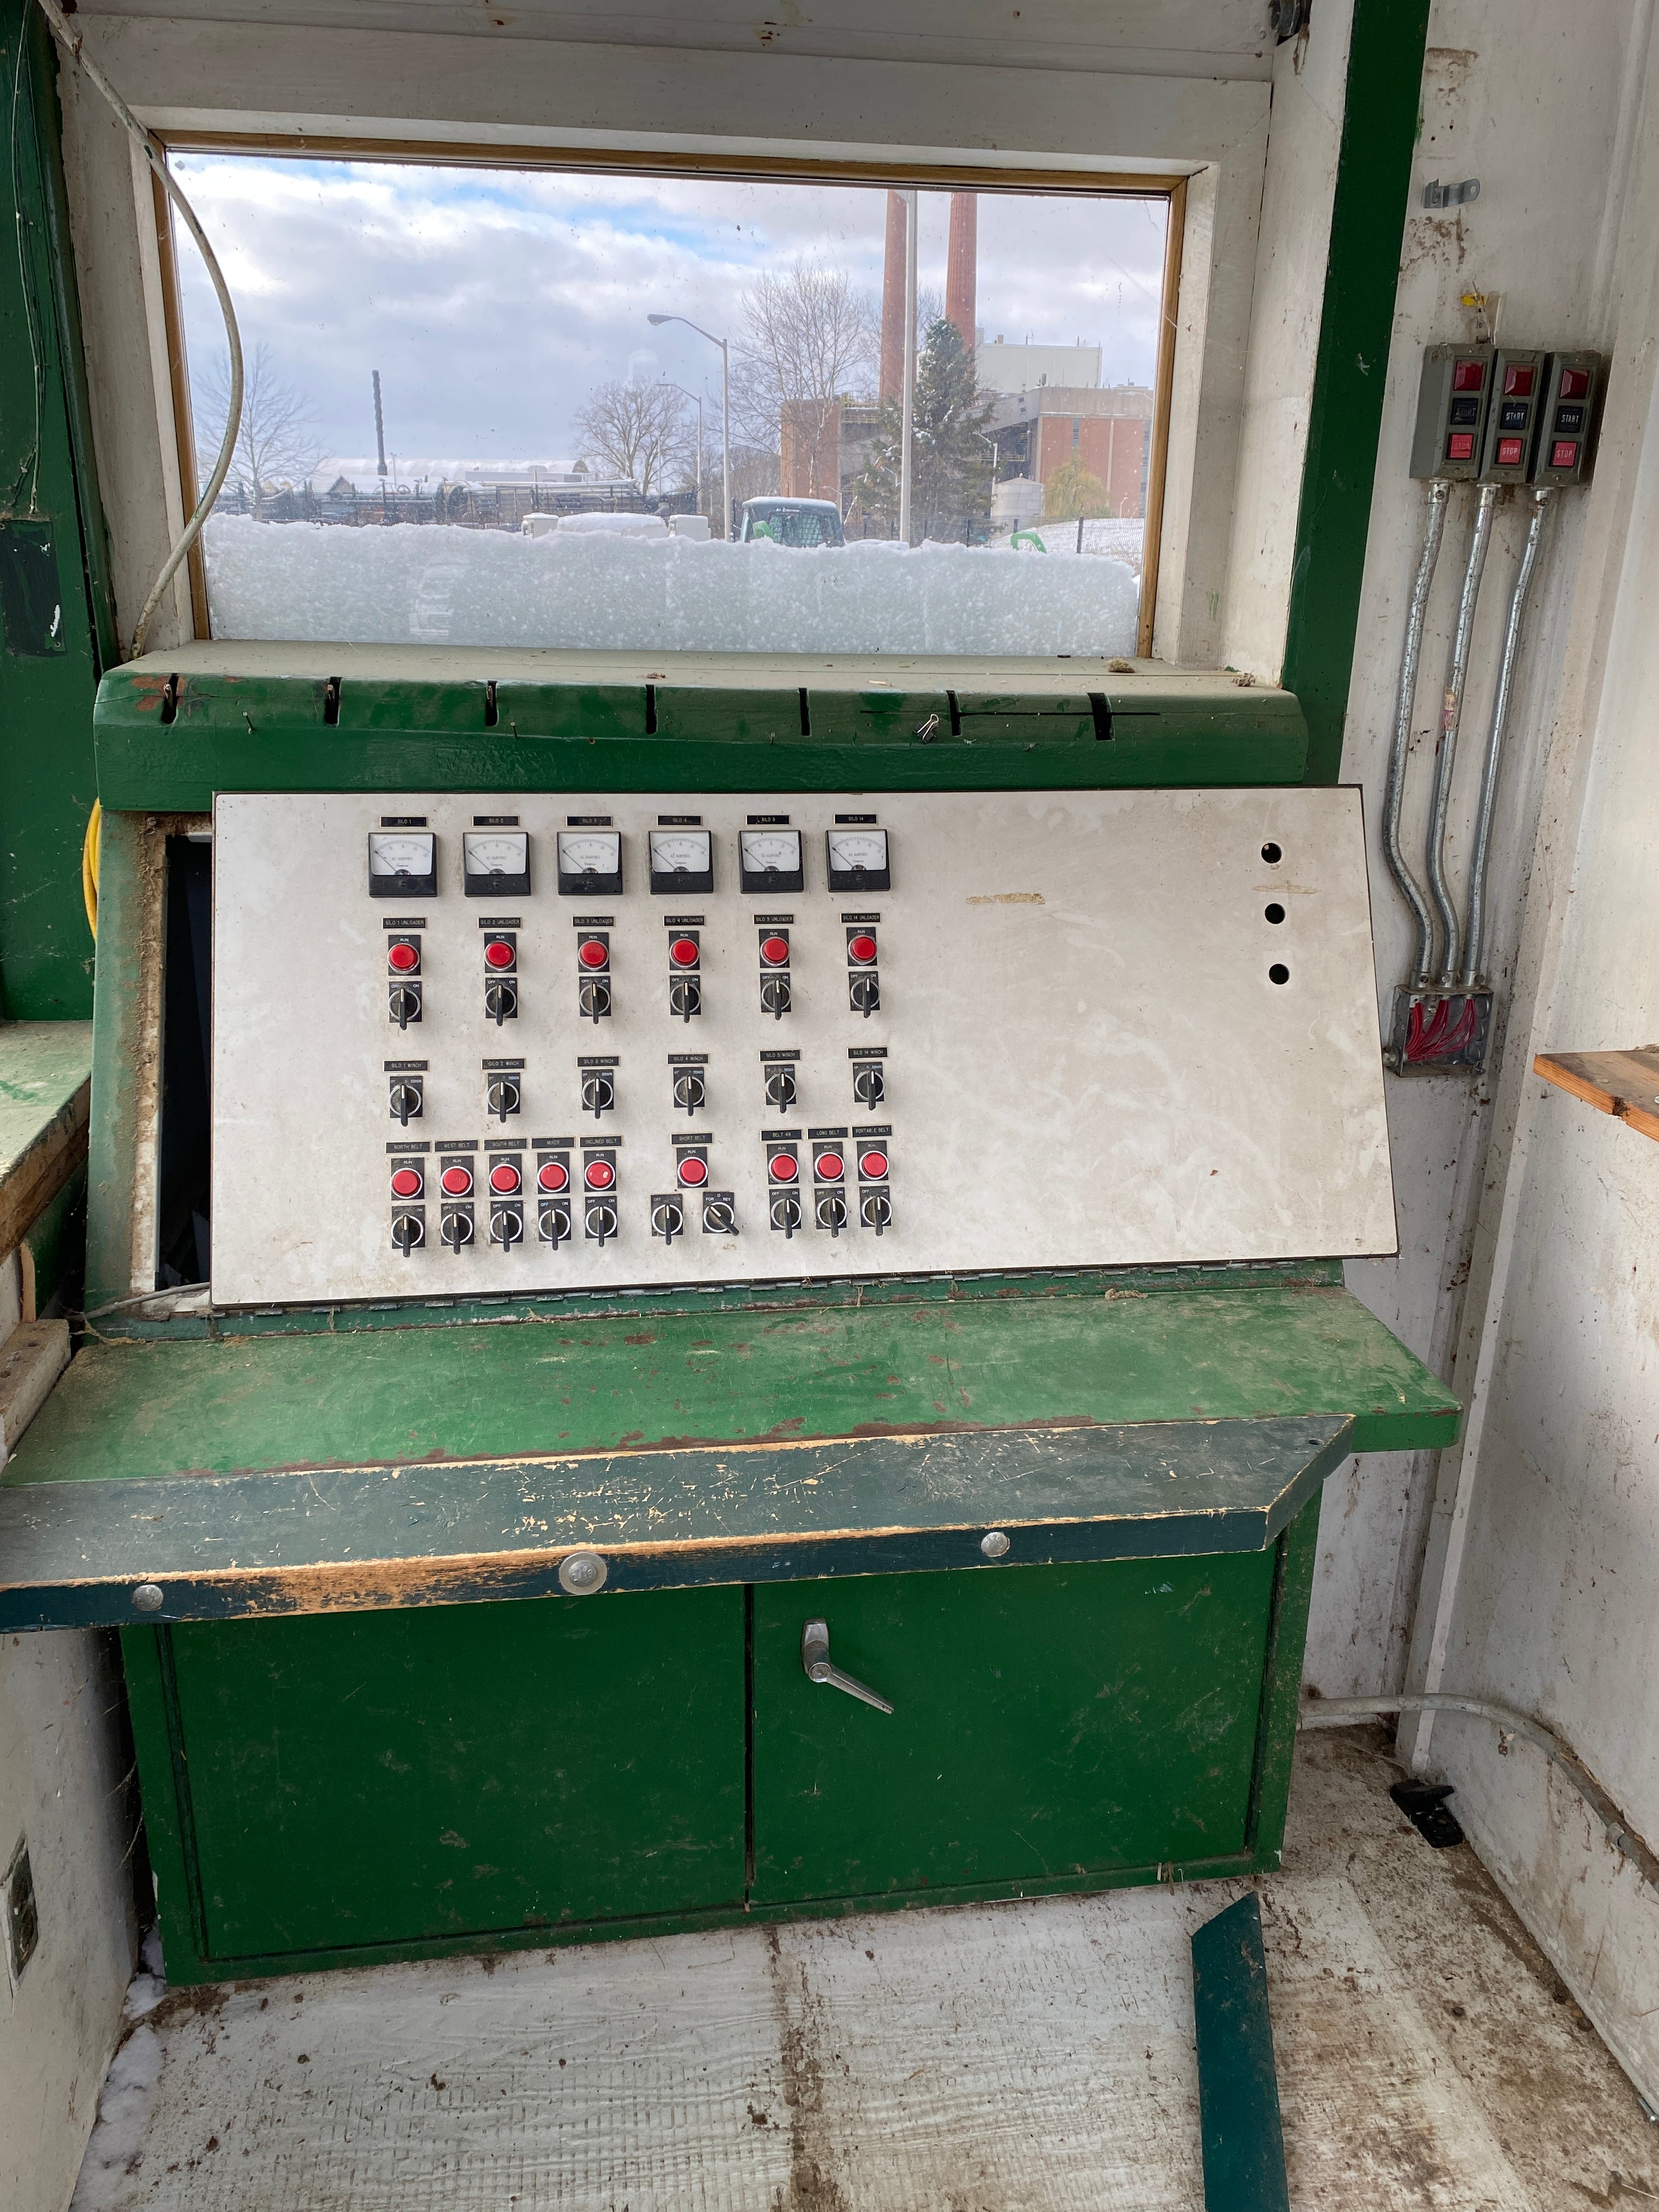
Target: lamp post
{"x":725,"y":410}
{"x":695,"y":398}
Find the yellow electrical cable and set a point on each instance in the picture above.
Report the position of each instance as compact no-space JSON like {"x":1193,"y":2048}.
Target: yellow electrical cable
{"x":89,"y":848}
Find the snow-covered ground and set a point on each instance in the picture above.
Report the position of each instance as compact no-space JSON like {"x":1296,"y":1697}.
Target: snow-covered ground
{"x":437,"y":584}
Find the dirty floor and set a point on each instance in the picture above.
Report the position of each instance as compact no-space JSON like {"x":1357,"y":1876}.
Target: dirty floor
{"x":1029,"y":2057}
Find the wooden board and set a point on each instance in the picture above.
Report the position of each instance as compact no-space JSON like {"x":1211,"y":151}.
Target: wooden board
{"x":46,"y":1077}
{"x":1623,"y":1084}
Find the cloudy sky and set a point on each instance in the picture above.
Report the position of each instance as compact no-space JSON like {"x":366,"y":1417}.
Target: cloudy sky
{"x":492,"y":301}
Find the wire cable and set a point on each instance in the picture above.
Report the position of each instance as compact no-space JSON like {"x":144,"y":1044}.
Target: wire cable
{"x":91,"y":847}
{"x":73,"y":45}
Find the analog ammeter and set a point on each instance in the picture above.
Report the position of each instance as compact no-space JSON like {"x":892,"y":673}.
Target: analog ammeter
{"x":771,"y":859}
{"x":589,"y":860}
{"x":496,"y":863}
{"x":858,"y":860}
{"x":682,"y":860}
{"x":402,"y":864}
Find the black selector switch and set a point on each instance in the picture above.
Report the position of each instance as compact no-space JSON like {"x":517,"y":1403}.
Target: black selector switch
{"x":829,"y":1179}
{"x":865,"y":993}
{"x":403,"y":960}
{"x":690,"y":1089}
{"x":667,"y":1216}
{"x":781,"y":1086}
{"x":869,"y":1081}
{"x":598,"y":1086}
{"x":406,"y":1095}
{"x":409,"y":1229}
{"x":593,"y":966}
{"x":719,"y":1214}
{"x":685,"y":981}
{"x":599,"y":1195}
{"x":863,"y":982}
{"x":553,"y":1196}
{"x":503,"y":1087}
{"x":783,"y":1184}
{"x":505,"y":1202}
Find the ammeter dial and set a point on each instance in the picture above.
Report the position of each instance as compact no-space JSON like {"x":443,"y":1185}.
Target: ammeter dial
{"x":495,"y":861}
{"x":858,"y":860}
{"x":589,"y":860}
{"x":682,"y":860}
{"x":771,"y":859}
{"x":402,"y":864}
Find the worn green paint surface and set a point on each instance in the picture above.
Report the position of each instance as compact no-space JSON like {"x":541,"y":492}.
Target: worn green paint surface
{"x":1379,"y":124}
{"x":42,"y":1066}
{"x":50,"y":553}
{"x":1243,"y":2142}
{"x":370,"y":1778}
{"x":1075,"y":1720}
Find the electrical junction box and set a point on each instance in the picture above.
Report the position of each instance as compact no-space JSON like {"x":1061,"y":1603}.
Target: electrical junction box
{"x":854,"y":1160}
{"x":1514,"y":411}
{"x":1569,"y":419}
{"x":1452,"y":400}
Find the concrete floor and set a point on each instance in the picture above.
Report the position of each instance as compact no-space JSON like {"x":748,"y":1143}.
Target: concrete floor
{"x":1031,"y":2057}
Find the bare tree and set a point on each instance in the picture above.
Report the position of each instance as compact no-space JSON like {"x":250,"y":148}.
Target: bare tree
{"x":277,"y":443}
{"x":808,"y":341}
{"x":638,"y":430}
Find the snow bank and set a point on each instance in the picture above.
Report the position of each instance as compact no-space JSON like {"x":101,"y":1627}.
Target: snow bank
{"x":437,"y":584}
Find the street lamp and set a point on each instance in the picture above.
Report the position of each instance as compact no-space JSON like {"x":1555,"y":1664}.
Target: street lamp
{"x":725,"y":410}
{"x":695,"y":398}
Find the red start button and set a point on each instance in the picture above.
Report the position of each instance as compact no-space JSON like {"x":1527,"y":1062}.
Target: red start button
{"x":599,"y":1175}
{"x":404,"y":958}
{"x":498,"y":953}
{"x":457,"y":1182}
{"x":694,"y":1171}
{"x":408,"y":1182}
{"x":872,"y":1166}
{"x":683,"y":952}
{"x":553,"y":1175}
{"x":592,"y":953}
{"x":828,"y":1167}
{"x":785,"y":1167}
{"x":775,"y":951}
{"x":861,"y":947}
{"x":504,"y":1178}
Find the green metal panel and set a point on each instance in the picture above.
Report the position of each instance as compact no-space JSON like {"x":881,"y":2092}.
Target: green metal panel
{"x":394,"y":1777}
{"x":1244,"y":2140}
{"x":1362,"y":274}
{"x":54,"y":604}
{"x":1062,"y":1720}
{"x":117,"y":1052}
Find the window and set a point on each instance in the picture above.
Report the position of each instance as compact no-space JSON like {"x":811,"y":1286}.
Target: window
{"x":613,"y":408}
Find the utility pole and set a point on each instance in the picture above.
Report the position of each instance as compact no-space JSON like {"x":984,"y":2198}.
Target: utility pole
{"x":910,"y":364}
{"x":379,"y":422}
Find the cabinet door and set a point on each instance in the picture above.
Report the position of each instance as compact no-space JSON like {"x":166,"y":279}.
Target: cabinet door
{"x":395,"y":1777}
{"x":1048,"y":1722}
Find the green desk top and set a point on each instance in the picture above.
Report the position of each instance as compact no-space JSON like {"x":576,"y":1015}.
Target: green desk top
{"x":788,"y":1442}
{"x":46,"y":1068}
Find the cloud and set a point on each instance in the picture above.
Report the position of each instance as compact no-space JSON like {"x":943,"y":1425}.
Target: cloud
{"x":493,"y":301}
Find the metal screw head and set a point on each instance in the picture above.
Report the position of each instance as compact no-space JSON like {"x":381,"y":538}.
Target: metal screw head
{"x":146,"y":1597}
{"x":993,"y":1544}
{"x":581,"y":1573}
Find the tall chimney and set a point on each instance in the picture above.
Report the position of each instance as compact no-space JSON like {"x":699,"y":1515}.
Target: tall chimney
{"x":892,"y":303}
{"x":961,"y":266}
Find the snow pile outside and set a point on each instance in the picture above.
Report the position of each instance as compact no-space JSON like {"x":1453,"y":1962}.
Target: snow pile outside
{"x":614,"y":525}
{"x":437,"y":584}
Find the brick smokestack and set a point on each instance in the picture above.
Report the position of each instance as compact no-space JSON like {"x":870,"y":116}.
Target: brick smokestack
{"x":962,"y":266}
{"x":892,"y":302}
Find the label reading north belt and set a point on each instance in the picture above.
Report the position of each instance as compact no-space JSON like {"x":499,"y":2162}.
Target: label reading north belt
{"x":409,"y":1146}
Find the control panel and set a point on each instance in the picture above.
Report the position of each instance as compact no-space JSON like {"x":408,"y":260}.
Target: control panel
{"x":474,"y":1045}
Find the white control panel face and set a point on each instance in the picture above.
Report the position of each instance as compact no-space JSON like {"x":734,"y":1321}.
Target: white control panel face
{"x":476,"y":1045}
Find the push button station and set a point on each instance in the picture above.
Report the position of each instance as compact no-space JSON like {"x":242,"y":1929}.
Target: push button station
{"x":455,"y":1167}
{"x":503,"y":1174}
{"x":501,"y":966}
{"x":599,"y":1215}
{"x":593,"y":974}
{"x":1512,"y":415}
{"x":1506,"y":415}
{"x":1567,"y":419}
{"x":1452,"y":401}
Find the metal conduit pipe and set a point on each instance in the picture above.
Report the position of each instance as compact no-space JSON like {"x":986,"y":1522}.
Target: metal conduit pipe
{"x":1451,"y":714}
{"x":1619,"y":1831}
{"x":1475,"y":930}
{"x":1393,"y":791}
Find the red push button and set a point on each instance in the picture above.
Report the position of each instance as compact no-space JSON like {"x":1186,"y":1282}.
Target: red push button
{"x":694,"y":1171}
{"x":599,"y":1175}
{"x":872,"y":1166}
{"x":457,"y":1182}
{"x":862,"y":947}
{"x":828,"y":1167}
{"x":404,"y":958}
{"x":504,"y":1178}
{"x":1518,"y":381}
{"x":1468,"y":375}
{"x":775,"y":951}
{"x":1509,"y":451}
{"x":785,"y":1167}
{"x":498,"y":953}
{"x":1460,"y":447}
{"x":684,"y":952}
{"x":592,"y":954}
{"x":1575,"y":383}
{"x":408,"y":1182}
{"x":553,"y":1175}
{"x":1564,"y":453}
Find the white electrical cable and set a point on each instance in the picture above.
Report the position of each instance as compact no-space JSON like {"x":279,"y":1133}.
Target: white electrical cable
{"x":71,"y":42}
{"x":1618,"y":1833}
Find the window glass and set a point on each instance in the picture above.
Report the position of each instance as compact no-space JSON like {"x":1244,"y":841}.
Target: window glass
{"x":607,"y":411}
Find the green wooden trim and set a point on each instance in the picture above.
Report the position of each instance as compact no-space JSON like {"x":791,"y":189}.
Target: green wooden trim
{"x":1281,"y":1686}
{"x":169,"y":1830}
{"x":332,"y":1541}
{"x":1244,"y":2140}
{"x":117,"y":1058}
{"x":1379,"y":128}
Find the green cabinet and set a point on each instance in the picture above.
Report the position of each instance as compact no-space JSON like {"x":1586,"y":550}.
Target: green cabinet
{"x":354,"y":1780}
{"x":1049,"y":1725}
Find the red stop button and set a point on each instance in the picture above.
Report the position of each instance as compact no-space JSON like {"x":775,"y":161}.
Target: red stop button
{"x":828,"y":1167}
{"x":861,"y":947}
{"x":872,"y":1166}
{"x":553,"y":1175}
{"x":683,"y":952}
{"x":498,"y":953}
{"x":404,"y":959}
{"x":775,"y":951}
{"x":694,"y":1171}
{"x":785,"y":1167}
{"x":407,"y":1183}
{"x":457,"y":1182}
{"x":592,"y":953}
{"x":504,"y":1178}
{"x":599,"y":1175}
{"x":1564,"y":453}
{"x":1509,"y":451}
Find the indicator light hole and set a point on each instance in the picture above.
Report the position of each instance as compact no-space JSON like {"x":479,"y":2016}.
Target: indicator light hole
{"x":1272,"y":854}
{"x":1275,"y":912}
{"x":1279,"y":973}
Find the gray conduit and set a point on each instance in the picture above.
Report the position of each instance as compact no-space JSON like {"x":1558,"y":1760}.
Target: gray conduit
{"x":1394,"y":792}
{"x":1451,"y":714}
{"x":1624,"y":1839}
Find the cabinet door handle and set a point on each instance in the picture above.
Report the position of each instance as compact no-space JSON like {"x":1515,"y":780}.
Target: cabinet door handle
{"x":815,"y":1663}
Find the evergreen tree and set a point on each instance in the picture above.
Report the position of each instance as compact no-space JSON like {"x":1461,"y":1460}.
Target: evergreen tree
{"x":950,"y":462}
